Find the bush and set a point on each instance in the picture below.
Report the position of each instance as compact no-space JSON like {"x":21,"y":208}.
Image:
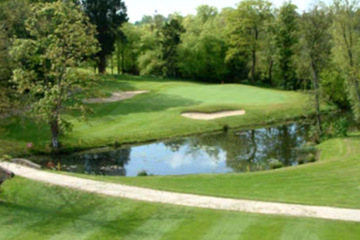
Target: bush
{"x":300,"y":161}
{"x":6,"y":157}
{"x":333,"y":87}
{"x":143,"y":174}
{"x":341,"y":127}
{"x":311,"y":157}
{"x":307,"y":148}
{"x":275,"y":164}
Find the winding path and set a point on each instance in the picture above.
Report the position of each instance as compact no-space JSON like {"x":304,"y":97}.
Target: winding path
{"x":149,"y":195}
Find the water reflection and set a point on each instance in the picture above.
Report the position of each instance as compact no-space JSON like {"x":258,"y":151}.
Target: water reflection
{"x":239,"y":151}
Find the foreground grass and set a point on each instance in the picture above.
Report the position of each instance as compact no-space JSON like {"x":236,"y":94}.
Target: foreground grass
{"x":332,"y":181}
{"x":156,"y":115}
{"x":31,"y":210}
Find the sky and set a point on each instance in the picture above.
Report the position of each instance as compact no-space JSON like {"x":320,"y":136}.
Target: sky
{"x":138,"y":8}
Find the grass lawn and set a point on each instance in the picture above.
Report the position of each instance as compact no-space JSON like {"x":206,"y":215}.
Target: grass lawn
{"x":332,"y":181}
{"x":31,"y":210}
{"x":156,"y":115}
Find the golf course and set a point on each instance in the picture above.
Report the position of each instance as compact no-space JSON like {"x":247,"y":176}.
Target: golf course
{"x":158,"y":120}
{"x":332,"y":181}
{"x":157,"y":114}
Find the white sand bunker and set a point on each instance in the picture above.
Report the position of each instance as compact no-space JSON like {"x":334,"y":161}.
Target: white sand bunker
{"x":115,"y":97}
{"x":211,"y":116}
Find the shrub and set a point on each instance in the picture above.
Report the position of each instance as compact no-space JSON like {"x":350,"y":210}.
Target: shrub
{"x":143,"y":174}
{"x":275,"y":164}
{"x":6,"y":157}
{"x":300,"y":161}
{"x":307,"y":148}
{"x":311,"y":157}
{"x":341,"y":127}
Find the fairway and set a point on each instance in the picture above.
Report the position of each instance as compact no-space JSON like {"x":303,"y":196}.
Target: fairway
{"x":32,"y":210}
{"x":157,"y":114}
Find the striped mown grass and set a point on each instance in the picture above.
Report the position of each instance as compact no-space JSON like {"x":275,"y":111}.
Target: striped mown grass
{"x":31,"y":210}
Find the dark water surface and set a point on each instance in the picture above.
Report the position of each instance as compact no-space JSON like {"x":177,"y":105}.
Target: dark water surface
{"x":234,"y":151}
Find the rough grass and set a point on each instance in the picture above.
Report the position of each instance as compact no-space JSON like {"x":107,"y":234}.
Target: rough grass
{"x":31,"y":210}
{"x":332,"y":181}
{"x":156,"y":115}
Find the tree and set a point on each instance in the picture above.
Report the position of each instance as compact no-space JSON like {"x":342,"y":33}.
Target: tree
{"x":108,"y":16}
{"x":171,"y":33}
{"x":286,"y":39}
{"x":246,"y":29}
{"x":315,"y":29}
{"x":203,"y":48}
{"x":347,"y":46}
{"x":60,"y":39}
{"x":128,"y":49}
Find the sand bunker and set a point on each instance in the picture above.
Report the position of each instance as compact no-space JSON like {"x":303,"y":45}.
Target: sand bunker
{"x":115,"y":97}
{"x":211,"y":116}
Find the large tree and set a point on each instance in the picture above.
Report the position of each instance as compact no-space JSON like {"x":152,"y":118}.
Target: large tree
{"x":247,"y":25}
{"x":346,"y":33}
{"x":60,"y":39}
{"x":315,"y":29}
{"x":171,"y":33}
{"x":286,"y":40}
{"x":108,"y":16}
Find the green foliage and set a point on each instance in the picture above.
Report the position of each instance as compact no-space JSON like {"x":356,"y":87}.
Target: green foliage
{"x":6,"y":157}
{"x":275,"y":164}
{"x":107,"y":16}
{"x":311,"y":158}
{"x":246,"y":29}
{"x":333,"y":87}
{"x":346,"y":34}
{"x":171,"y":33}
{"x":142,"y":174}
{"x":203,"y":48}
{"x":286,"y":41}
{"x":336,"y":128}
{"x":46,"y":70}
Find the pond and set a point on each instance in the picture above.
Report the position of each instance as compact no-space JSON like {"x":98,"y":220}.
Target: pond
{"x":225,"y":152}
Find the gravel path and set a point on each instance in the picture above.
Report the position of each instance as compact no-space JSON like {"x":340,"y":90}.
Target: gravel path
{"x":115,"y":97}
{"x":148,"y":195}
{"x":211,"y":116}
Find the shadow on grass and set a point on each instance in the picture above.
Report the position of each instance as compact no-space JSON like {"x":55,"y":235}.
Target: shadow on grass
{"x":142,"y":104}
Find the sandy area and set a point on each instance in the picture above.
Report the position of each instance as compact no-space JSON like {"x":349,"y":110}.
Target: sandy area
{"x":116,"y":97}
{"x":190,"y":200}
{"x":211,"y":116}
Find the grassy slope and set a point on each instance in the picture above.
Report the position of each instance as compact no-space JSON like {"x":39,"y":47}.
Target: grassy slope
{"x":157,"y":114}
{"x":33,"y":210}
{"x":332,"y":181}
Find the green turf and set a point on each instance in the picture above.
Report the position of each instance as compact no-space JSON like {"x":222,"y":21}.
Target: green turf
{"x":31,"y":210}
{"x":332,"y":181}
{"x":156,"y":115}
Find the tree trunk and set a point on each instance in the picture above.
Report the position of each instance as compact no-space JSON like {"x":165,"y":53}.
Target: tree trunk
{"x":253,"y":66}
{"x":271,"y":64}
{"x":112,"y":65}
{"x":317,"y":99}
{"x":102,"y":63}
{"x":123,"y":61}
{"x":118,"y":58}
{"x":54,"y":124}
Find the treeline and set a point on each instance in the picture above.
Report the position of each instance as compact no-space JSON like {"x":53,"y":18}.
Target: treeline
{"x":317,"y":49}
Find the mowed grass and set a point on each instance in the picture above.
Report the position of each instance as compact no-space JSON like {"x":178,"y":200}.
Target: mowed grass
{"x":332,"y":181}
{"x":31,"y":210}
{"x":156,"y":115}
